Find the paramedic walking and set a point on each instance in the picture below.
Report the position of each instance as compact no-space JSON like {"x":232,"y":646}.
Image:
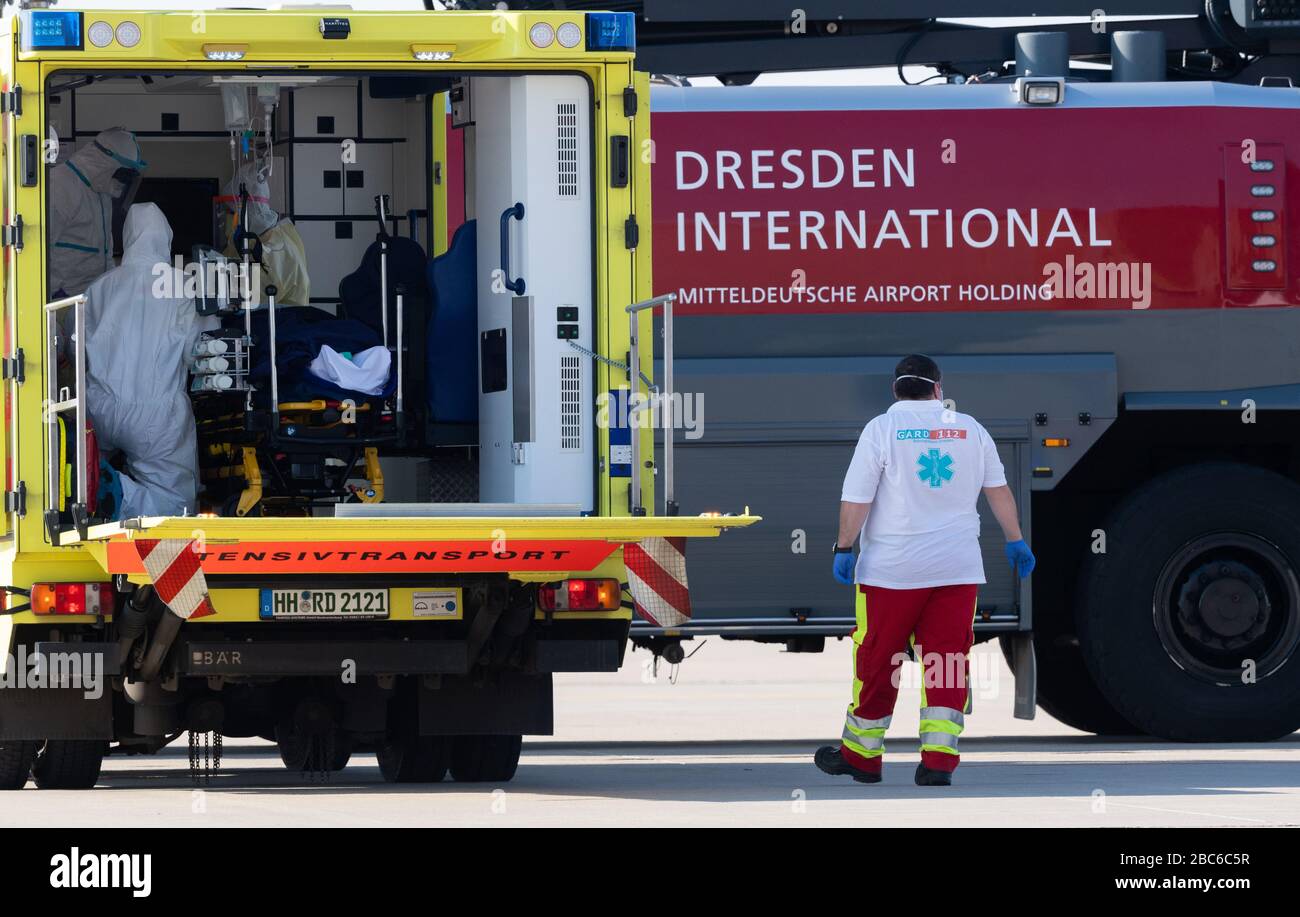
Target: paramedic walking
{"x":909,"y":500}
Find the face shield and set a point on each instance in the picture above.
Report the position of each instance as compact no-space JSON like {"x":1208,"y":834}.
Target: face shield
{"x":126,"y":182}
{"x":136,"y":165}
{"x":125,"y":179}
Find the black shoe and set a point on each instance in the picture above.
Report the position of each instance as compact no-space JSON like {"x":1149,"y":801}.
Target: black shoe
{"x":829,"y":761}
{"x":926,"y":776}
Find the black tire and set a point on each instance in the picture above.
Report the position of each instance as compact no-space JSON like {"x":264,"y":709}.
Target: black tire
{"x":16,"y":759}
{"x":297,"y":751}
{"x":1198,"y":585}
{"x":414,"y":759}
{"x":1066,"y":690}
{"x":68,"y":764}
{"x":480,"y":759}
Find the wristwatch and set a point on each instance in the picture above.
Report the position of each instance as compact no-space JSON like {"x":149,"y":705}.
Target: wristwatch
{"x":839,"y":550}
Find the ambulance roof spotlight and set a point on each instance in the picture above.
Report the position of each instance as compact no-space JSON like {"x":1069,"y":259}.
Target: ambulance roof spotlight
{"x":1039,"y":90}
{"x":569,"y":35}
{"x":128,"y":34}
{"x":542,"y":34}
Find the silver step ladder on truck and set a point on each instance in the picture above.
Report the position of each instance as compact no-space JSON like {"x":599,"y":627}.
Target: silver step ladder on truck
{"x":664,"y":394}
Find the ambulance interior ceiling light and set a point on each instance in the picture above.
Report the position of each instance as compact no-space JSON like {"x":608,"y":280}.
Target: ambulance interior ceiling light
{"x":433,"y":52}
{"x":279,"y":79}
{"x":225,"y":52}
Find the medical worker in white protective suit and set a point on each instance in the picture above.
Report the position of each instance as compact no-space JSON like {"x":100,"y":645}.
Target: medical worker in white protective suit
{"x":140,"y":333}
{"x":82,"y":190}
{"x":284,"y":259}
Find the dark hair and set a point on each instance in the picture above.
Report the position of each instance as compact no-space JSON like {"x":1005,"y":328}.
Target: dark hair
{"x":915,"y":364}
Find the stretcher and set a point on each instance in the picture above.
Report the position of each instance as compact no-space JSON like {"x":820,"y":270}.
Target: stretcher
{"x":275,"y":446}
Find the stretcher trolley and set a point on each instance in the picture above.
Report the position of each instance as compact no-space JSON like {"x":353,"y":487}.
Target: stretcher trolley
{"x":275,"y":439}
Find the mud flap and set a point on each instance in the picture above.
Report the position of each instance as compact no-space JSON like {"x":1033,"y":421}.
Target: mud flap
{"x":1024,"y":668}
{"x":509,"y":703}
{"x":55,"y":713}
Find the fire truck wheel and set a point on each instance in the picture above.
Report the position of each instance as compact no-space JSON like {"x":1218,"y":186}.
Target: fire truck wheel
{"x":1066,"y":690}
{"x":68,"y":764}
{"x":413,"y":759}
{"x":479,"y":759}
{"x":297,"y":750}
{"x":1190,"y":621}
{"x":16,"y":758}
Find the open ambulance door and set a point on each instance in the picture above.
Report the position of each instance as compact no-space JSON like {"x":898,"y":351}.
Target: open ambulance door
{"x":14,"y":491}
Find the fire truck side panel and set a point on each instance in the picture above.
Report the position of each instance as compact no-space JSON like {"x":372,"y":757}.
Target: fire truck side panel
{"x":1156,"y":172}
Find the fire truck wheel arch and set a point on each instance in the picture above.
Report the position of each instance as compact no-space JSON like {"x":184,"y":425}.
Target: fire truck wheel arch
{"x":1190,"y":620}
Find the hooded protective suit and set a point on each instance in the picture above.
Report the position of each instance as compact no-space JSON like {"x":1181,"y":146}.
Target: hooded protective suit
{"x":284,"y":259}
{"x":139,"y":338}
{"x":81,"y":209}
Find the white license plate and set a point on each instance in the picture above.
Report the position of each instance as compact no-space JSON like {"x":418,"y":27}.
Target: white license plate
{"x":311,"y":604}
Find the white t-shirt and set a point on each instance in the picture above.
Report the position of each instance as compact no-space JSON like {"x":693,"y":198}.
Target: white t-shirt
{"x":921,"y":468}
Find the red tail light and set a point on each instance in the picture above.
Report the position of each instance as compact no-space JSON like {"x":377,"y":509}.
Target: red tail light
{"x":580,"y":595}
{"x":72,"y":599}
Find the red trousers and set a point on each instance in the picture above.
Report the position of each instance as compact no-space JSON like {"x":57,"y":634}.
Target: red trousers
{"x":939,"y":624}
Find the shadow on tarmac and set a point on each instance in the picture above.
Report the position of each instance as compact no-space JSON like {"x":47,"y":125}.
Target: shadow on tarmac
{"x":700,"y":772}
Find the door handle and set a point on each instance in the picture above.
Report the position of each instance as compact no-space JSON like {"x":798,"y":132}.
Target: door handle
{"x":516,"y":212}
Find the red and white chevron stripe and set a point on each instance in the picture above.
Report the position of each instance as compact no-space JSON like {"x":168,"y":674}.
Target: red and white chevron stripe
{"x":656,"y":577}
{"x":173,"y":565}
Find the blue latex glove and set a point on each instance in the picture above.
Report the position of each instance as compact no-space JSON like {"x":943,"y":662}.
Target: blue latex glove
{"x":1020,"y":558}
{"x":844,"y":568}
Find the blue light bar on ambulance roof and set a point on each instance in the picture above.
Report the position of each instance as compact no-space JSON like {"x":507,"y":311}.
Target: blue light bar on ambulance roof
{"x":611,"y":31}
{"x":51,"y":30}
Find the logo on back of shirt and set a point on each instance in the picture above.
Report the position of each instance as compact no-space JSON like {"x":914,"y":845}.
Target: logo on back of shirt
{"x":936,"y":467}
{"x":943,"y":433}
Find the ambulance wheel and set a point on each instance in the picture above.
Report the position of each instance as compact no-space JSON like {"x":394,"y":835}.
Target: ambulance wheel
{"x":479,"y":759}
{"x":16,"y":763}
{"x":68,"y":764}
{"x":300,"y":753}
{"x":1066,"y":690}
{"x":413,"y":759}
{"x":1190,"y":622}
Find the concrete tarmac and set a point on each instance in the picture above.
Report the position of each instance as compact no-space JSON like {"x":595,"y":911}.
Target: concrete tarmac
{"x":726,"y":739}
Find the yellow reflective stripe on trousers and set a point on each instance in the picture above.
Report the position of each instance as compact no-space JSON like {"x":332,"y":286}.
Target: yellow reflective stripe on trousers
{"x":943,"y":742}
{"x":860,"y":612}
{"x":866,"y":737}
{"x":940,"y":727}
{"x":942,"y":719}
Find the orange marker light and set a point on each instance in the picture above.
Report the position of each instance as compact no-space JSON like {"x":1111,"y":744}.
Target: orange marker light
{"x":1056,"y":443}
